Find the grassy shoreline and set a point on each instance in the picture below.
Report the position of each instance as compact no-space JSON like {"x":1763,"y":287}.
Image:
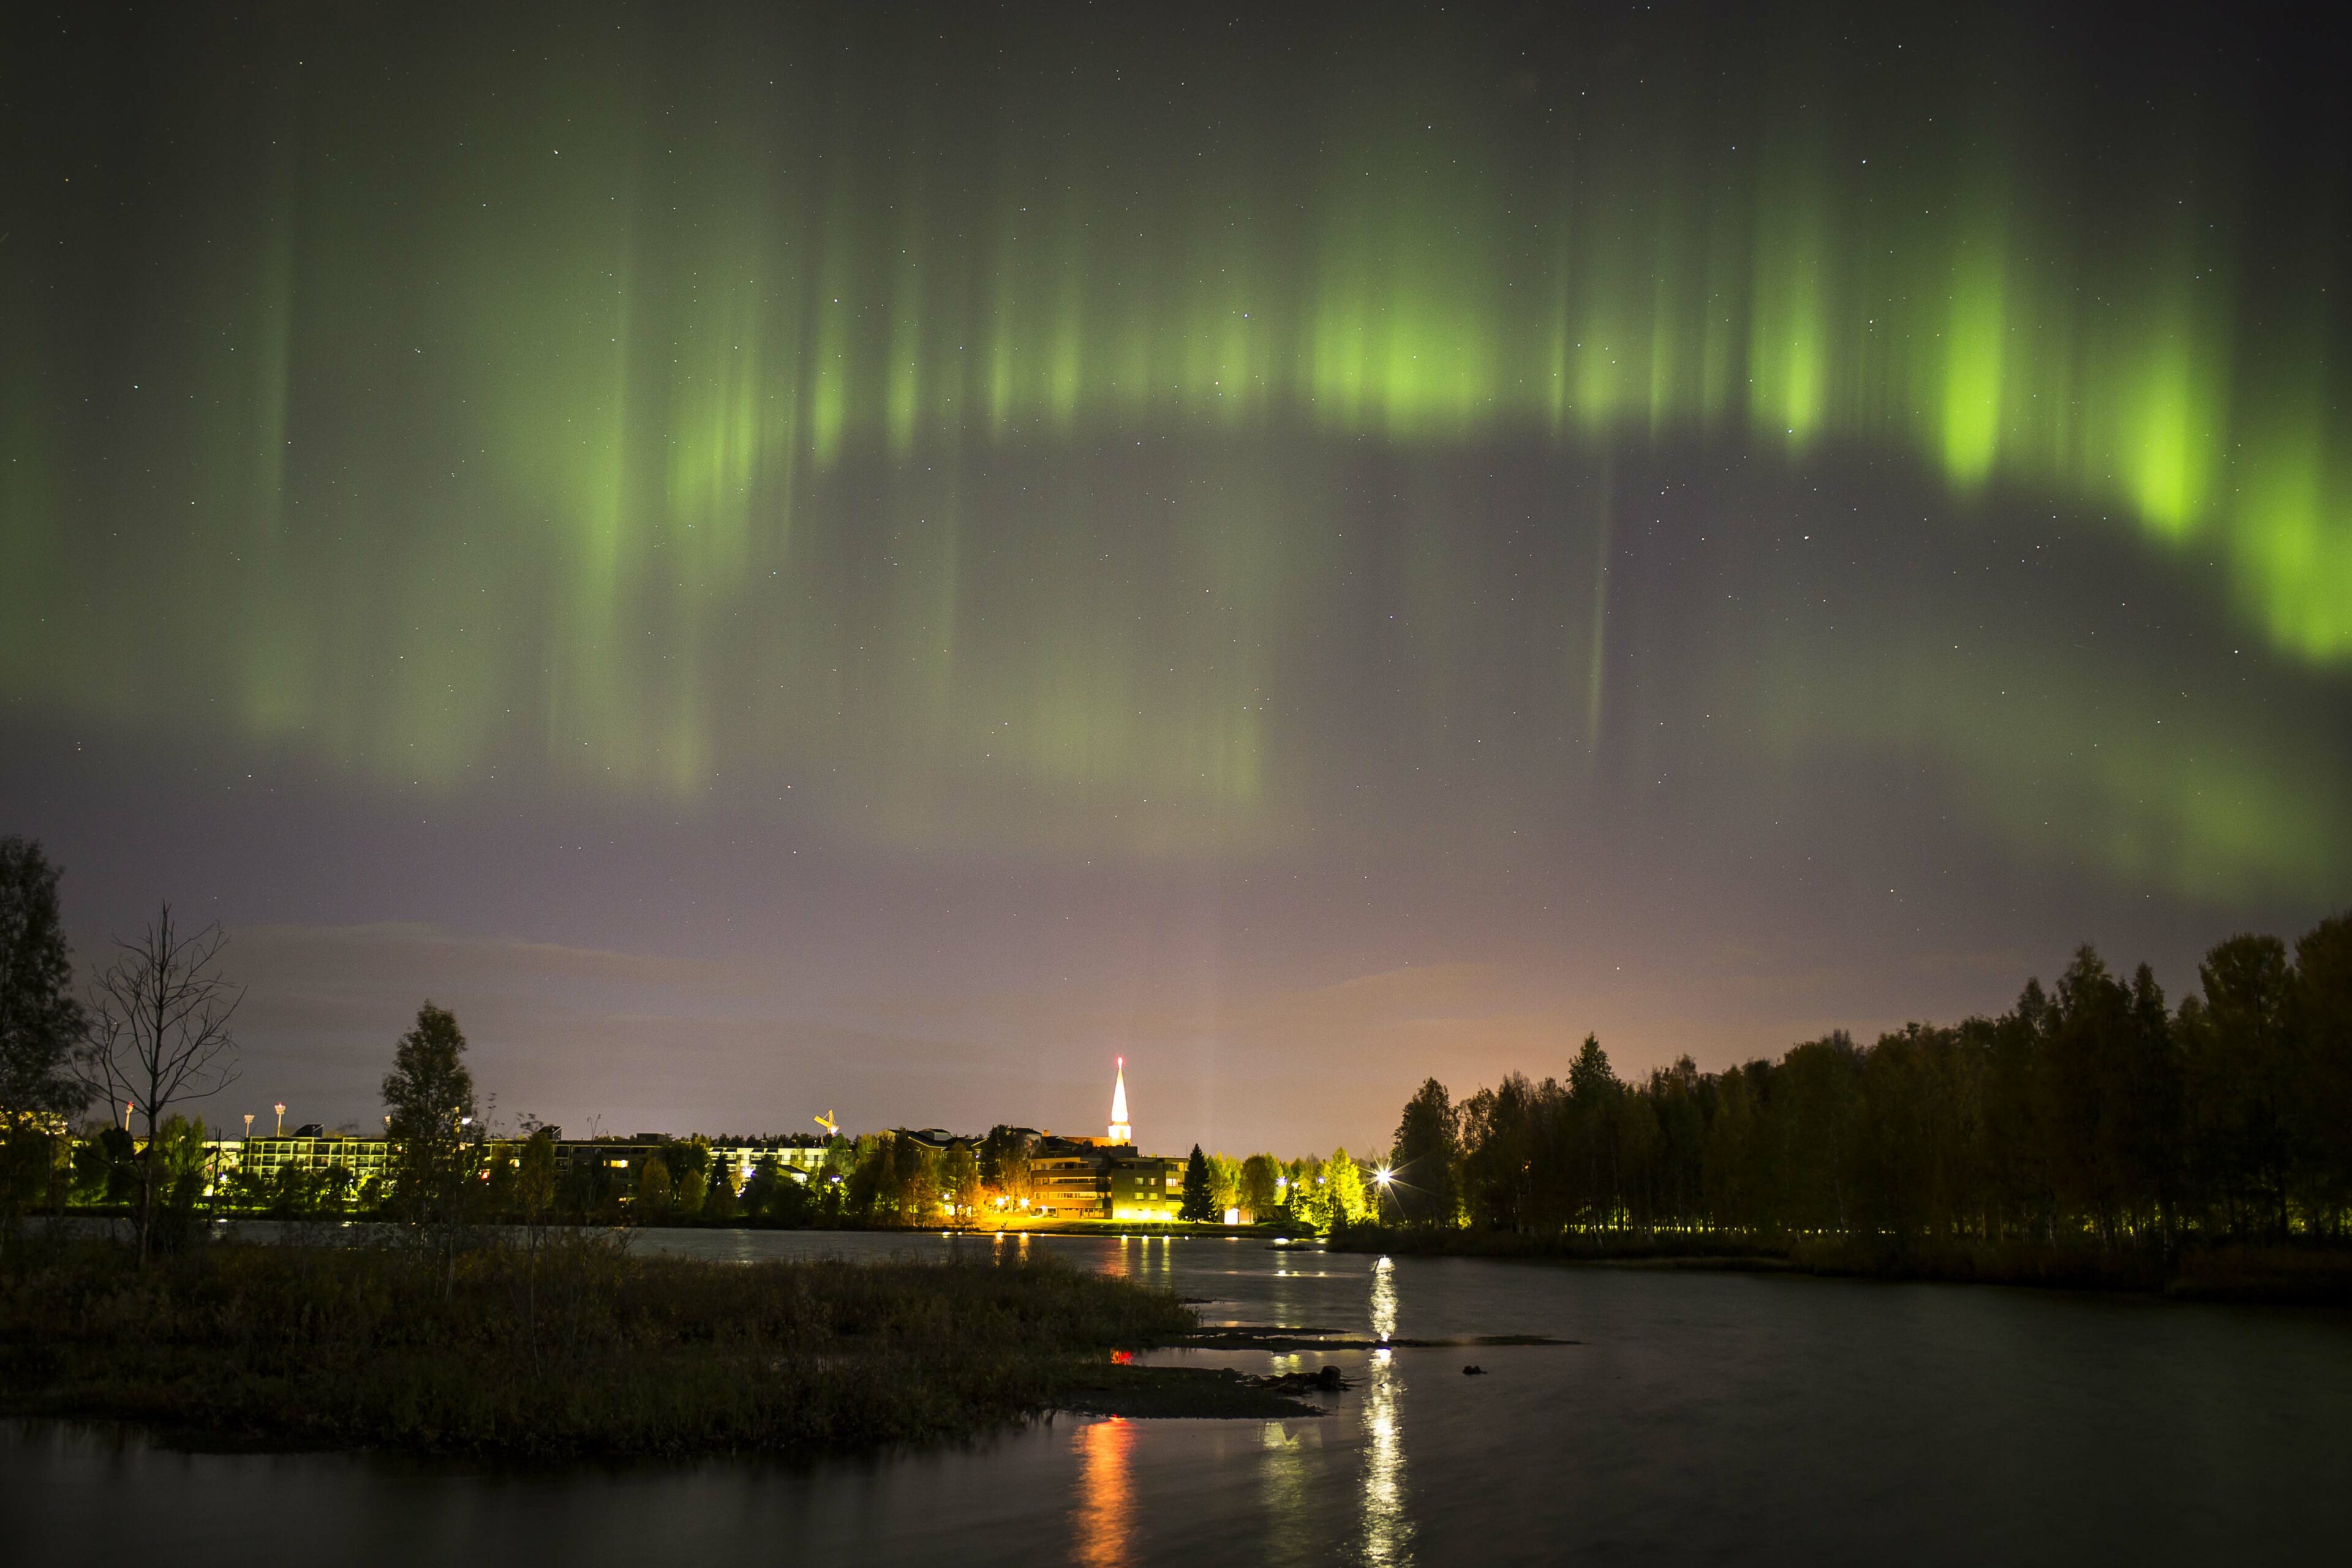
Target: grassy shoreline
{"x":121,"y":1214}
{"x":2298,"y":1276}
{"x":579,"y":1349}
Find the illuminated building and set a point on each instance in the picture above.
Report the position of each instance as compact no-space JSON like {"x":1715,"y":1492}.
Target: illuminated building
{"x":1105,"y":1178}
{"x":308,"y":1150}
{"x":1144,"y":1187}
{"x":1065,"y":1179}
{"x":796,"y":1155}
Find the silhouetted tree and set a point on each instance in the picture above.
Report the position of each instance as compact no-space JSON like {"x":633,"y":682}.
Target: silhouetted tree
{"x":1011,"y":1180}
{"x":534,"y":1201}
{"x":959,"y":1179}
{"x":719,"y":1200}
{"x":760,"y":1192}
{"x":2240,"y":1062}
{"x":40,"y":1026}
{"x":2085,"y":1115}
{"x":654,"y":1189}
{"x":2323,"y":1033}
{"x":159,"y":1033}
{"x":1427,"y":1157}
{"x":430,"y":1094}
{"x":1198,"y":1203}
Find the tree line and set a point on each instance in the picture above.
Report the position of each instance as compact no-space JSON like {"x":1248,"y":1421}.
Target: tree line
{"x":151,"y":1033}
{"x":2089,"y":1113}
{"x":1310,"y":1192}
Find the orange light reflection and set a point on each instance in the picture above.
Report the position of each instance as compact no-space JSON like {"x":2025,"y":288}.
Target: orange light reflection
{"x":1105,"y":1511}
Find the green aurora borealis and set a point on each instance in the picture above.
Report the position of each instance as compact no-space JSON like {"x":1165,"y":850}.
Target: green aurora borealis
{"x":1026,"y":435}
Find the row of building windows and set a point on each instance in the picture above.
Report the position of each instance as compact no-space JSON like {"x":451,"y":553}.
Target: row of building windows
{"x":1089,"y":1180}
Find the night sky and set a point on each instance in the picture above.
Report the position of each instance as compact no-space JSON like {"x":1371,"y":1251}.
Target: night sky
{"x":872,"y":559}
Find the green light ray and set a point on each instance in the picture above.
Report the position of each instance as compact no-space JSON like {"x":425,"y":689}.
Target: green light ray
{"x":655,"y":401}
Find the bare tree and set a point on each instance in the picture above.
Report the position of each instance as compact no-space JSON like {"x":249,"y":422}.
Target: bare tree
{"x":159,"y":1032}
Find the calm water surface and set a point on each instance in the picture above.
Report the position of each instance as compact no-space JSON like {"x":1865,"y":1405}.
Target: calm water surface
{"x":1700,"y":1416}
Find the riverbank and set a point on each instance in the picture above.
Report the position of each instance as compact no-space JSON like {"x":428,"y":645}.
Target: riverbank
{"x":117,"y":1219}
{"x":2312,"y":1275}
{"x":577,"y":1348}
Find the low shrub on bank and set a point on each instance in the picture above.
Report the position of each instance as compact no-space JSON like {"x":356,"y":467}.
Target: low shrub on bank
{"x":574,"y":1346}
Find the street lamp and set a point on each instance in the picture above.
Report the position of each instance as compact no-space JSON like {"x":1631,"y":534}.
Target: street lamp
{"x":280,"y":1109}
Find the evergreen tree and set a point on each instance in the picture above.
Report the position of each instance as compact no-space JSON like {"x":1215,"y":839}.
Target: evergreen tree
{"x":40,"y":1022}
{"x":431,"y":1096}
{"x":1199,"y":1204}
{"x":2243,"y":1065}
{"x":2323,"y":1033}
{"x":2084,"y":1116}
{"x":1427,"y":1156}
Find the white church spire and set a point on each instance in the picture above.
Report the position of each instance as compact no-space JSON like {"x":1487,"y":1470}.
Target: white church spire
{"x":1120,"y":1132}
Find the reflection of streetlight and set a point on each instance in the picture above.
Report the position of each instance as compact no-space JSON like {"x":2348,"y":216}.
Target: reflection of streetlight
{"x":1106,"y":1512}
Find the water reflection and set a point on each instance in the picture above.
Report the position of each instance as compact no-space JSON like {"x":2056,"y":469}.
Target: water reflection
{"x":1384,"y":1299}
{"x":1282,"y":1492}
{"x":1839,"y":1423}
{"x":1105,"y":1517}
{"x":1388,"y":1533}
{"x":1132,"y":1258}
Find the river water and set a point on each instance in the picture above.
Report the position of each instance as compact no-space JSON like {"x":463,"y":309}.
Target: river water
{"x":1697,"y":1416}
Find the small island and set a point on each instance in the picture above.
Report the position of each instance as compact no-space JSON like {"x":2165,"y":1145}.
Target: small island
{"x":567,"y":1345}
